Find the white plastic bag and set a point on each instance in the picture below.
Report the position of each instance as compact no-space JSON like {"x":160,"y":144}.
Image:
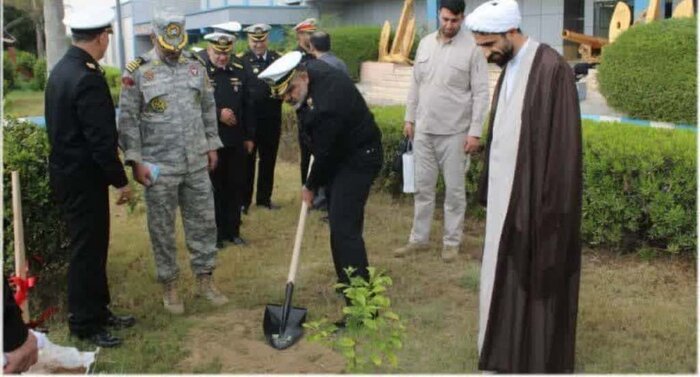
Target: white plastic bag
{"x":55,"y":359}
{"x":408,"y":171}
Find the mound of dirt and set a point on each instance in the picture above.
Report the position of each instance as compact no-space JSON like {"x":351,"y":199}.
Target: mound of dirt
{"x":235,"y":342}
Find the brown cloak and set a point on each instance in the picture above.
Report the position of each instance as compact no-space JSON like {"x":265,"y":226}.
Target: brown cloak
{"x":531,"y":325}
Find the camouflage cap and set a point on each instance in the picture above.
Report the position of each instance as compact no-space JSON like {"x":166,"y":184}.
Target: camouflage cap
{"x":169,"y":28}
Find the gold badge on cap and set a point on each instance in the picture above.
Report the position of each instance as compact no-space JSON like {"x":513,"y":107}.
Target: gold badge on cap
{"x":223,"y":40}
{"x":173,"y":30}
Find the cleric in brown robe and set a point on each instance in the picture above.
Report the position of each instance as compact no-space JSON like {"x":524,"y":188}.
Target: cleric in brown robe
{"x":532,"y":187}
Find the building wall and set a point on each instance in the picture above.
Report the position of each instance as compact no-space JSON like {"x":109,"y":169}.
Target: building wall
{"x":374,"y":12}
{"x":251,"y":15}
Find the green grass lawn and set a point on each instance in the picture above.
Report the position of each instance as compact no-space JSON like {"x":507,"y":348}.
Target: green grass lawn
{"x":634,"y":317}
{"x":21,"y":103}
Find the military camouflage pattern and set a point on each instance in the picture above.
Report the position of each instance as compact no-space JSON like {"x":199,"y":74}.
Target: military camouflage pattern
{"x":168,"y":118}
{"x":167,"y":115}
{"x":194,"y":193}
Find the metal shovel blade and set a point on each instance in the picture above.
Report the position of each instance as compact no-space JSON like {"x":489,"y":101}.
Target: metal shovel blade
{"x":282,"y":324}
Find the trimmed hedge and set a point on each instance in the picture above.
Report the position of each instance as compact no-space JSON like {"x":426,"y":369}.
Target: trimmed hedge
{"x":650,"y":71}
{"x":114,"y":80}
{"x":9,"y":73}
{"x":639,"y":184}
{"x":26,"y":149}
{"x":39,"y":81}
{"x":25,"y":63}
{"x":354,"y":45}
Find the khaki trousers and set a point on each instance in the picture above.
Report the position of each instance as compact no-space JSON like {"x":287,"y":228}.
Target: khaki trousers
{"x":434,"y":154}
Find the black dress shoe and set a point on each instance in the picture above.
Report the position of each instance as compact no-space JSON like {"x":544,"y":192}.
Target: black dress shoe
{"x":270,"y":206}
{"x":101,"y":339}
{"x":219,"y":244}
{"x":120,"y":321}
{"x":238,"y":241}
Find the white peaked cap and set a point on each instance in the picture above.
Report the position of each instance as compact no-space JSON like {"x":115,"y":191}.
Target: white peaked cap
{"x":494,"y":16}
{"x":231,"y":27}
{"x":89,"y":17}
{"x":281,"y":67}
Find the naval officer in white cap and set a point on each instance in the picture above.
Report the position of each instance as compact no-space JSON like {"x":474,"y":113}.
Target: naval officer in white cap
{"x":236,"y":125}
{"x":268,"y":120}
{"x":345,"y":142}
{"x":83,"y":163}
{"x":531,"y":186}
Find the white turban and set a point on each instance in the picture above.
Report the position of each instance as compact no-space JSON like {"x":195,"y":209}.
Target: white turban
{"x":494,"y":16}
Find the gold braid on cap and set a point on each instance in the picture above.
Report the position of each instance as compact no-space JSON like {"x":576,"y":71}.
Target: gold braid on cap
{"x":221,"y":47}
{"x":258,"y":36}
{"x":170,"y":47}
{"x":278,"y":89}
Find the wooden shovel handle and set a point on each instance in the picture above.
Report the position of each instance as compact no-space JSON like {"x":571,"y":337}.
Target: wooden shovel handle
{"x":300,"y":235}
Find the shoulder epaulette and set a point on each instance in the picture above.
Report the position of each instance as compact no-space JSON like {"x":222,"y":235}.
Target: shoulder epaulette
{"x":200,"y":59}
{"x":135,"y":64}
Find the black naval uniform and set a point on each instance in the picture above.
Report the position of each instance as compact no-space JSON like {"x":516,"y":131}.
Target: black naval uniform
{"x":346,"y":144}
{"x":268,"y":117}
{"x":83,"y":162}
{"x":229,"y":178}
{"x":304,"y":149}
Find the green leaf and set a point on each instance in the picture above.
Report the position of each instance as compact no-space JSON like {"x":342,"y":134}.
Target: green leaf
{"x":346,"y":342}
{"x":376,"y":360}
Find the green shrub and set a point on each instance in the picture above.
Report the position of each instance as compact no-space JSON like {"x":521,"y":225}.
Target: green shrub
{"x":114,"y":80}
{"x":650,"y":71}
{"x":639,"y":183}
{"x":39,"y":81}
{"x":26,"y":149}
{"x":9,"y":73}
{"x":639,"y":186}
{"x":354,"y":45}
{"x":25,"y":62}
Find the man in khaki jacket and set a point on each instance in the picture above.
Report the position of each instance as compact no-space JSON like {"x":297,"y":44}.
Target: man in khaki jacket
{"x":445,"y":110}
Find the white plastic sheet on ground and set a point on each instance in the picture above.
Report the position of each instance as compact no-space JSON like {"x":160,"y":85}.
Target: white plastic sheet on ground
{"x":55,"y":359}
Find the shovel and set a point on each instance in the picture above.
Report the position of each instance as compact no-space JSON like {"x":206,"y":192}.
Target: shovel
{"x":282,"y":325}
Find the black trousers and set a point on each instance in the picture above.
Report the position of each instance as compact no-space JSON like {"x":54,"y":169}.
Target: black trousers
{"x":229,"y":181}
{"x":349,"y":191}
{"x":85,"y":208}
{"x":267,"y":142}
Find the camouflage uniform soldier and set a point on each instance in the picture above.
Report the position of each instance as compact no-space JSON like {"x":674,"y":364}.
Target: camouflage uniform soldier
{"x":168,"y":119}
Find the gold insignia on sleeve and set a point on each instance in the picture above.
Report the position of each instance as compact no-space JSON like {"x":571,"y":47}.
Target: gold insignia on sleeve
{"x":134,"y":64}
{"x":158,"y":105}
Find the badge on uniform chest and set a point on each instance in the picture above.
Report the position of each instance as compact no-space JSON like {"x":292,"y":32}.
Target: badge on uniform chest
{"x":149,"y":75}
{"x":158,"y":105}
{"x":194,"y":71}
{"x":236,"y":83}
{"x":310,"y":103}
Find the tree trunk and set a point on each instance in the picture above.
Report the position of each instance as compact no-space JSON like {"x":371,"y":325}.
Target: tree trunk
{"x":56,"y":42}
{"x":40,"y":49}
{"x":38,"y":18}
